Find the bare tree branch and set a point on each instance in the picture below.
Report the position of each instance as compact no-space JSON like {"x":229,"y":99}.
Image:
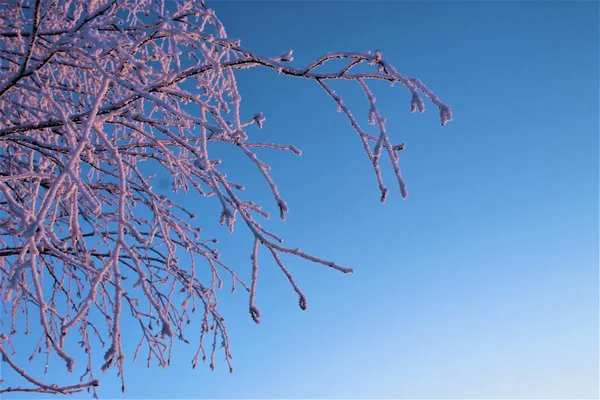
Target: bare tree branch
{"x":91,"y":94}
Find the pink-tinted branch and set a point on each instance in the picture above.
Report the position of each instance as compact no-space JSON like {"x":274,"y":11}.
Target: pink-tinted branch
{"x":93,"y":95}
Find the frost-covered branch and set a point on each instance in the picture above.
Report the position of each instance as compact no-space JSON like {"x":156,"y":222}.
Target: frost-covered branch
{"x":92,"y":95}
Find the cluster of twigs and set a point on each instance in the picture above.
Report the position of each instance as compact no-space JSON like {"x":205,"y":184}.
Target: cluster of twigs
{"x":89,"y":92}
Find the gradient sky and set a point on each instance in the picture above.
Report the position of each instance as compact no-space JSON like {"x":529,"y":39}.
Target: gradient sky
{"x":484,"y":282}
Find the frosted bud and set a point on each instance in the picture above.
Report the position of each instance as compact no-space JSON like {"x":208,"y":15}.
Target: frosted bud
{"x":445,"y":114}
{"x":255,"y":314}
{"x":70,"y":364}
{"x":302,"y":303}
{"x":109,"y":353}
{"x":416,"y":103}
{"x":399,"y":147}
{"x":282,"y":207}
{"x":384,"y":194}
{"x":166,"y":330}
{"x":286,"y":57}
{"x":259,"y":118}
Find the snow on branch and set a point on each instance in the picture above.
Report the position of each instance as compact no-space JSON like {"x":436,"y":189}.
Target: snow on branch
{"x":91,"y":92}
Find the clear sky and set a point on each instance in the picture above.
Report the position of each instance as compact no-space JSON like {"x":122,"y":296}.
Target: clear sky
{"x":484,"y":282}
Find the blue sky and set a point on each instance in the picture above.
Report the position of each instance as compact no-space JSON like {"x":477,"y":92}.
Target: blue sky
{"x":484,"y":282}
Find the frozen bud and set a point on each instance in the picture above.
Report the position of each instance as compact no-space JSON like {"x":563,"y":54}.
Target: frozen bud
{"x":259,"y":118}
{"x":302,"y":303}
{"x":416,"y":102}
{"x":399,"y":147}
{"x":286,"y":57}
{"x":283,"y":208}
{"x":70,"y":364}
{"x":166,"y":330}
{"x":384,"y":194}
{"x":109,"y":353}
{"x":296,"y":150}
{"x":376,"y":57}
{"x":255,"y":314}
{"x":445,"y":114}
